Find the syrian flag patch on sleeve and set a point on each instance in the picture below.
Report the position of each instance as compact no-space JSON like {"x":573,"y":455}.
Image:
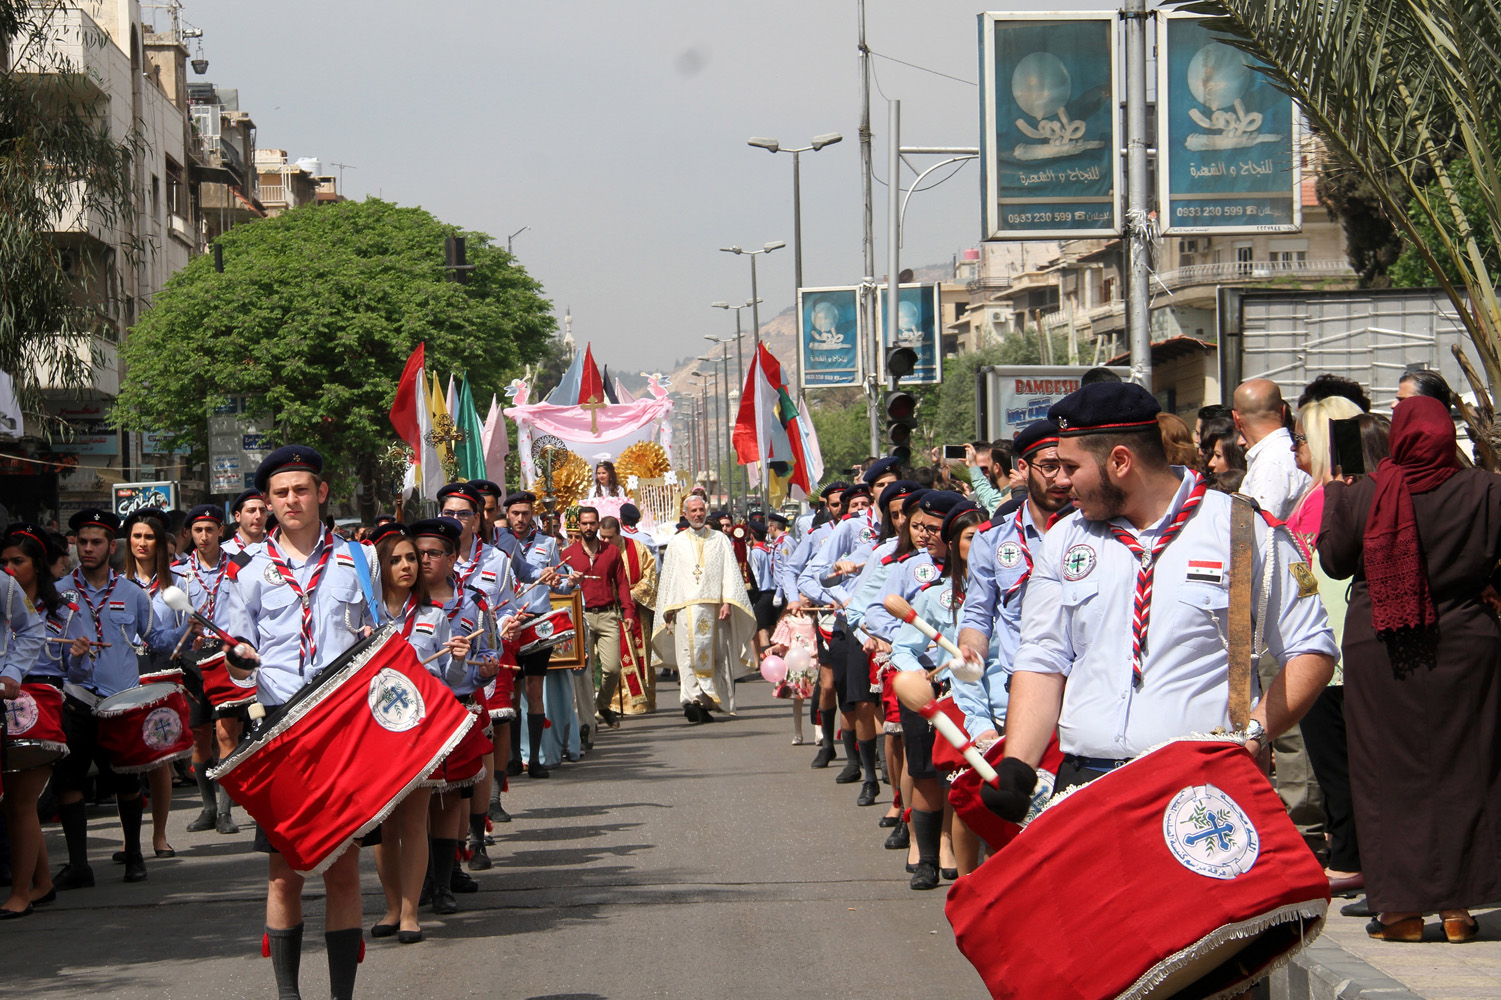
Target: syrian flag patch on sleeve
{"x":1206,"y":571}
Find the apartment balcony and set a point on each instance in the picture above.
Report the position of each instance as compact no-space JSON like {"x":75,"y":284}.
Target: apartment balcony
{"x":78,"y":55}
{"x":1254,"y":271}
{"x":988,"y":283}
{"x":102,"y":355}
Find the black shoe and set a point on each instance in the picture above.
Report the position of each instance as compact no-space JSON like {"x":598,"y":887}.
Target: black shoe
{"x":461,"y":881}
{"x":586,"y":739}
{"x":899,"y":839}
{"x":887,"y":822}
{"x":409,"y":937}
{"x":224,"y":824}
{"x":911,"y":867}
{"x":118,"y":857}
{"x":823,"y":757}
{"x":611,"y":717}
{"x":383,"y":930}
{"x":135,"y":868}
{"x":949,"y":873}
{"x":444,"y":901}
{"x":1359,"y":908}
{"x":17,"y":914}
{"x":479,"y":861}
{"x":514,"y":767}
{"x":203,"y":821}
{"x":537,"y":771}
{"x":925,"y":876}
{"x":849,"y":775}
{"x":49,"y":897}
{"x":69,"y":877}
{"x":868,"y":793}
{"x":166,"y":852}
{"x":498,"y":813}
{"x":693,"y":714}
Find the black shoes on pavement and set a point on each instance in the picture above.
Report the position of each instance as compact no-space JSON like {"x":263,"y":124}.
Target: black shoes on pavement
{"x":899,"y":839}
{"x":537,"y":771}
{"x":135,"y":868}
{"x":69,"y":877}
{"x":868,"y":793}
{"x":849,"y":775}
{"x":925,"y":876}
{"x":824,"y":756}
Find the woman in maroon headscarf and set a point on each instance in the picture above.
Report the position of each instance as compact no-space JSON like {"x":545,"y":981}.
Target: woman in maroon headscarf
{"x":1422,"y":654}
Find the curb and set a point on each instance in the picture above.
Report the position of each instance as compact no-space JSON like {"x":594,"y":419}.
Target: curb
{"x":1325,"y":971}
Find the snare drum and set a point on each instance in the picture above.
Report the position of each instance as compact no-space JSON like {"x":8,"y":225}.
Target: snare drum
{"x":172,"y":675}
{"x":546,"y":631}
{"x":1210,"y":885}
{"x":221,"y":688}
{"x":143,"y":727}
{"x":333,"y":762}
{"x":465,"y":764}
{"x":964,"y":794}
{"x":34,"y":728}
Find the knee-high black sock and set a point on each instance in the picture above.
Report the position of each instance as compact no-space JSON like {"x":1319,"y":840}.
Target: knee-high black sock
{"x":927,"y":829}
{"x":477,"y":826}
{"x":75,"y":820}
{"x":868,"y":758}
{"x":515,"y":728}
{"x":286,"y":960}
{"x":443,"y":856}
{"x":343,"y":961}
{"x":851,"y":746}
{"x":130,"y":823}
{"x":826,"y":723}
{"x":535,"y":723}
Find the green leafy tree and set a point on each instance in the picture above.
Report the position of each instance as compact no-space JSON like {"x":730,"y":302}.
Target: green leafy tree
{"x":314,"y":316}
{"x":58,"y":160}
{"x":1412,"y":271}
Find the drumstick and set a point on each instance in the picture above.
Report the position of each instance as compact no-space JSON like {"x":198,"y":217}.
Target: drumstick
{"x":470,"y":638}
{"x":916,"y":692}
{"x":69,"y":642}
{"x":178,"y":601}
{"x":903,"y":611}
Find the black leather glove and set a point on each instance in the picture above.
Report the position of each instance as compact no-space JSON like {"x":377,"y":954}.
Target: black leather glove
{"x":238,"y":662}
{"x":1011,"y":797}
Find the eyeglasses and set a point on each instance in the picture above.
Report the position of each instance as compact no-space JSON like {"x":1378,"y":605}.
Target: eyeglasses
{"x":461,"y":515}
{"x":1299,"y":439}
{"x":923,"y":526}
{"x":1048,"y":470}
{"x":431,"y":553}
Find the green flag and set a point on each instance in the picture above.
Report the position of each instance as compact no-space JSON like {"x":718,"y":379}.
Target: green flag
{"x":471,"y":451}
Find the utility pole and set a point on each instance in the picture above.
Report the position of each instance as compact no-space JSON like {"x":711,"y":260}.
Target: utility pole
{"x":893,"y":229}
{"x":871,"y":347}
{"x":1138,"y":302}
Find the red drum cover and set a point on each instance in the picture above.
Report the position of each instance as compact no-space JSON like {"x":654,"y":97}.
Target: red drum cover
{"x":34,"y":728}
{"x":945,"y":756}
{"x":1187,"y":858}
{"x":500,"y":693}
{"x":964,"y":794}
{"x":221,"y":689}
{"x":466,"y":764}
{"x":334,"y":762}
{"x":145,"y":726}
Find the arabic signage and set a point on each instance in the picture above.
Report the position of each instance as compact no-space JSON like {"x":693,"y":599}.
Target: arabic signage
{"x":1017,"y":395}
{"x":239,"y":439}
{"x":1049,"y":148}
{"x":1227,"y":149}
{"x":828,"y":336}
{"x":917,"y":327}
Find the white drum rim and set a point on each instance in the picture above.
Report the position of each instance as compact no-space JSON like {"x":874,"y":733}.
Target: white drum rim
{"x":105,"y":711}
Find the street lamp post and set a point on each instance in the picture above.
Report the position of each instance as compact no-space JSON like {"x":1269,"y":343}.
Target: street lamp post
{"x":712,"y":444}
{"x":756,"y":318}
{"x":722,"y":433}
{"x":730,"y":458}
{"x":739,"y":363}
{"x":773,"y":146}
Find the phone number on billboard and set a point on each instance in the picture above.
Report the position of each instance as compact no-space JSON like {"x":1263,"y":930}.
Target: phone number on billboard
{"x":1024,"y":218}
{"x":1214,"y":211}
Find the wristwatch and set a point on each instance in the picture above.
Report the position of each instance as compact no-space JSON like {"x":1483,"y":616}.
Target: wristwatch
{"x":1256,"y":731}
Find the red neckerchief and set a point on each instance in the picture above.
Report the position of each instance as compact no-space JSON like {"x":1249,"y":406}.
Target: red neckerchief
{"x":1021,"y":539}
{"x":213,"y":594}
{"x":473,"y":564}
{"x":306,"y":647}
{"x":96,"y":610}
{"x":408,"y":616}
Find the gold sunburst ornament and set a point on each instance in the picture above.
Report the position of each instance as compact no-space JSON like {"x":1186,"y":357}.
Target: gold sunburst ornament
{"x":571,"y":475}
{"x":644,"y":460}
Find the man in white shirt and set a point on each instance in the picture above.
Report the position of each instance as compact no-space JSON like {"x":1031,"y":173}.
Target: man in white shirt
{"x":1273,"y":478}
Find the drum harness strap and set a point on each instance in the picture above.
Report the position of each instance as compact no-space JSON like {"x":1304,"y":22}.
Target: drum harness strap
{"x":1246,"y":633}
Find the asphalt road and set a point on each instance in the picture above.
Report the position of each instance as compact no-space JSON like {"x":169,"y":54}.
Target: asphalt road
{"x":673,"y":861}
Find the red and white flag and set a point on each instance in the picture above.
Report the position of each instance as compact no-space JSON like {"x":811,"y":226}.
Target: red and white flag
{"x":413,"y":422}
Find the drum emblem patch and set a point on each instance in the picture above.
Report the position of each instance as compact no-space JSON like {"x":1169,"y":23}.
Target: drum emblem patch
{"x":161,"y":728}
{"x":20,"y":714}
{"x":544,"y":629}
{"x":395,"y":701}
{"x":1209,"y":834}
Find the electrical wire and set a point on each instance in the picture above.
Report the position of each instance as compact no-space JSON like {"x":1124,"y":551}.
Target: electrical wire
{"x":903,"y":62}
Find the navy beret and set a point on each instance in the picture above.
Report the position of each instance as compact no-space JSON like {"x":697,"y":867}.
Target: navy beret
{"x":391,"y":527}
{"x":937,"y":503}
{"x":486,"y":488}
{"x":1102,"y":407}
{"x":877,"y":469}
{"x":897,"y":490}
{"x":439,"y":527}
{"x":1037,"y":435}
{"x":206,"y":512}
{"x":833,"y":488}
{"x":955,"y":512}
{"x":857,"y":490}
{"x":245,"y":498}
{"x":776,"y":517}
{"x":757,"y":527}
{"x":288,"y":458}
{"x":520,"y":496}
{"x":384,"y":519}
{"x":717,"y":514}
{"x":94,"y":517}
{"x":915,"y":497}
{"x":630,"y":514}
{"x":34,"y":532}
{"x":467,"y":491}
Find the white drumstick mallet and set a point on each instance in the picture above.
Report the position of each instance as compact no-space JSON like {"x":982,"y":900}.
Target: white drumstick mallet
{"x":961,"y":668}
{"x":914,"y":690}
{"x":178,"y":601}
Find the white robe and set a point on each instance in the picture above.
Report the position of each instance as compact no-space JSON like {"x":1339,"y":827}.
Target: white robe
{"x":699,"y":573}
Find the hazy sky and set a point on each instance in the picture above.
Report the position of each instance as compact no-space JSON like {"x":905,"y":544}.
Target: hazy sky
{"x":617,"y":133}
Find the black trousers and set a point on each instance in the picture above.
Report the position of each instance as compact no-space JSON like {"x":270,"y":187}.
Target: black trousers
{"x":72,"y":772}
{"x":1324,"y":736}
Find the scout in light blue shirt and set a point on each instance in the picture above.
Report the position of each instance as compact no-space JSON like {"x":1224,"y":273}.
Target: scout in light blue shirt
{"x":852,"y":540}
{"x":24,"y":640}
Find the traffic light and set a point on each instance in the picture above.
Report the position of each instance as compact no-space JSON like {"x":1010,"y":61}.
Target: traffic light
{"x":900,"y":361}
{"x":901,"y":417}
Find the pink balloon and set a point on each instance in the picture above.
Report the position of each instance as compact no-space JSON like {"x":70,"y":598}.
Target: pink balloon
{"x":798,"y":659}
{"x":774,"y":669}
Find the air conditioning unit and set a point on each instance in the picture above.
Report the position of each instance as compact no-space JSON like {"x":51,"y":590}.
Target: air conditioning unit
{"x":1188,"y":246}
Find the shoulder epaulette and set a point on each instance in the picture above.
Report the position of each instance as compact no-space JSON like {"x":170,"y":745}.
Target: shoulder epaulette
{"x":888,"y":559}
{"x":237,"y":562}
{"x":984,"y":526}
{"x":907,"y":555}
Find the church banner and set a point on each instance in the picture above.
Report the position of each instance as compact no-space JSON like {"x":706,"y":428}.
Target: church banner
{"x":918,"y":326}
{"x":1049,"y":144}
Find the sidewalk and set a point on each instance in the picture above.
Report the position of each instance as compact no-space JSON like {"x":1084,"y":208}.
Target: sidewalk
{"x":1346,"y":963}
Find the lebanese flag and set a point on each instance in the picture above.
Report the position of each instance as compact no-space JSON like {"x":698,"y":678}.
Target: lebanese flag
{"x":410,"y":417}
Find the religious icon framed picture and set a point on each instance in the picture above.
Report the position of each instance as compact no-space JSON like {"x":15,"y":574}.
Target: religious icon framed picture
{"x":569,"y":654}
